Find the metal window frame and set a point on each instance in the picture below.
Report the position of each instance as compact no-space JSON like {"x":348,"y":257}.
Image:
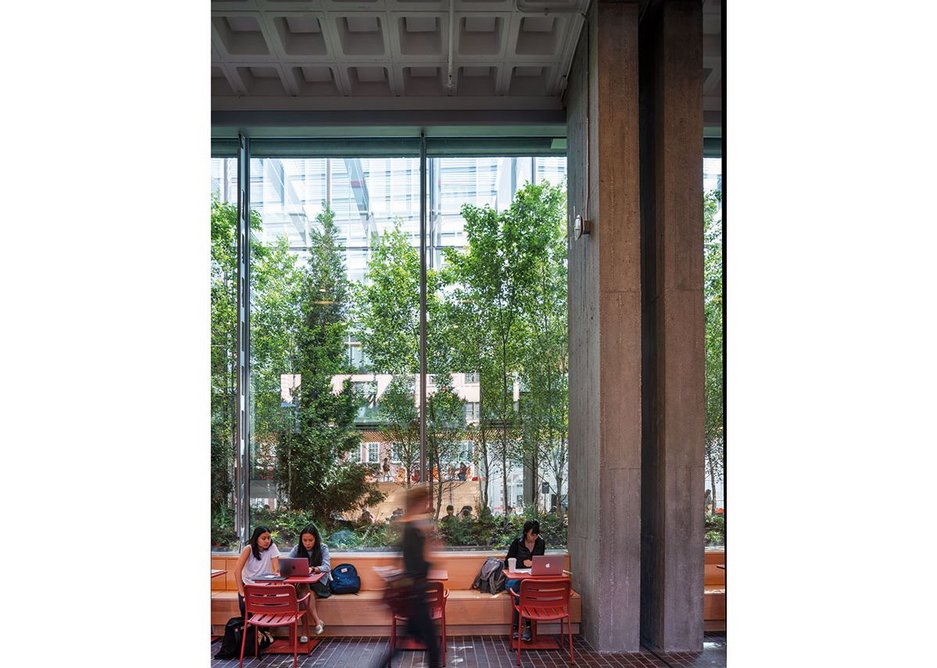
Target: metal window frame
{"x":439,"y":148}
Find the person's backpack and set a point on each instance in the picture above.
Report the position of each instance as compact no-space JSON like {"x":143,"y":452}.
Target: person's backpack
{"x":345,"y":580}
{"x":231,"y":643}
{"x":490,"y":578}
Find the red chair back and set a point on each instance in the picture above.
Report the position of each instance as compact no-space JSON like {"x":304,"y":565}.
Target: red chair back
{"x":436,"y":598}
{"x":277,"y":599}
{"x":545,"y":593}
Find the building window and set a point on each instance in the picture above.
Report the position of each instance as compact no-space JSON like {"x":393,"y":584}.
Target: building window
{"x":373,"y":453}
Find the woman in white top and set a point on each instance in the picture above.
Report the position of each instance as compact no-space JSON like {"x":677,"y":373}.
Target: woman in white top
{"x":258,"y":558}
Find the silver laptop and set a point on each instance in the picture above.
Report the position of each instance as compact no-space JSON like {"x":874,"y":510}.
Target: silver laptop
{"x":292,"y":567}
{"x":544,"y":565}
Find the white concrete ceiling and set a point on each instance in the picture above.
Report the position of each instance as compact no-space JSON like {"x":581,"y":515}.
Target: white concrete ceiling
{"x":335,"y":55}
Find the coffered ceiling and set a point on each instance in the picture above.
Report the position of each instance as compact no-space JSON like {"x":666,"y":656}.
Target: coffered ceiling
{"x":356,"y":55}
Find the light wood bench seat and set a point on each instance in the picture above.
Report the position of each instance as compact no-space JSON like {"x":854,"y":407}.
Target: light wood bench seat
{"x":468,"y":612}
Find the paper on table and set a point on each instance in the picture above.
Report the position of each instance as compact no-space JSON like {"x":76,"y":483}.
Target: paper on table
{"x":521,"y":570}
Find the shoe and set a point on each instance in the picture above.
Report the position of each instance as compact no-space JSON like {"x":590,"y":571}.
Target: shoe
{"x":319,"y":628}
{"x":526,"y":636}
{"x":514,"y":636}
{"x":303,"y":640}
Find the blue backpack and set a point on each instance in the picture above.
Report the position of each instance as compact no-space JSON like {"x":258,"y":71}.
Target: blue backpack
{"x":345,"y":580}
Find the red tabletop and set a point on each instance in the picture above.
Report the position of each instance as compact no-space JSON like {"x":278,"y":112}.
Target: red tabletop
{"x":514,"y":575}
{"x":215,"y":572}
{"x":312,"y":578}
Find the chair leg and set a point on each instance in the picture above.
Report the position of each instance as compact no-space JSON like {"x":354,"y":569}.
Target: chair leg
{"x":243,"y":642}
{"x":569,"y":628}
{"x":520,"y":624}
{"x":295,"y":642}
{"x":393,"y":633}
{"x":444,"y":640}
{"x":257,"y":642}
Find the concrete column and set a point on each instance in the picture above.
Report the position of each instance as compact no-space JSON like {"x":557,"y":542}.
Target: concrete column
{"x":672,"y":485}
{"x":605,"y":327}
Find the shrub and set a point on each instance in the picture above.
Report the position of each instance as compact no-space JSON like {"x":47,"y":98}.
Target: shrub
{"x":715,"y":530}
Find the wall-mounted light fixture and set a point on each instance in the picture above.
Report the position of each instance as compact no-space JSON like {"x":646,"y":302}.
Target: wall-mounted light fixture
{"x":581,"y":227}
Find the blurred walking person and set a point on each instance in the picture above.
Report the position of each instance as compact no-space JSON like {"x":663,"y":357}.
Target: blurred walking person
{"x":417,"y":525}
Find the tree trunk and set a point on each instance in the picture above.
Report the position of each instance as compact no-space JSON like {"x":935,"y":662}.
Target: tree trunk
{"x":559,"y":496}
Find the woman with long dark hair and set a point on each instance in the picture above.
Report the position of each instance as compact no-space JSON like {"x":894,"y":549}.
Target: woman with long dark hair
{"x":523,"y":548}
{"x":311,"y":547}
{"x":258,"y":558}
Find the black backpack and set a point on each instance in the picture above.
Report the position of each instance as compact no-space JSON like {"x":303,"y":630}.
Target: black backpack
{"x":490,"y":578}
{"x":345,"y":580}
{"x":231,"y":643}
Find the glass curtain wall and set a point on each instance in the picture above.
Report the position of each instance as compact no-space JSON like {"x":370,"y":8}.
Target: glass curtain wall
{"x":497,"y":345}
{"x":224,"y":459}
{"x":334,"y":317}
{"x":715,"y":399}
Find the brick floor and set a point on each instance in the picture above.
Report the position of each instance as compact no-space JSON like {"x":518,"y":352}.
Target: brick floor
{"x":484,"y":652}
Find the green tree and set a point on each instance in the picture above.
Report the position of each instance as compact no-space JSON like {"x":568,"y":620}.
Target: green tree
{"x":400,"y":422}
{"x":494,"y":283}
{"x":313,"y":468}
{"x":387,"y":306}
{"x":277,"y":293}
{"x":712,"y":295}
{"x":224,"y":454}
{"x":544,"y":406}
{"x":445,"y":424}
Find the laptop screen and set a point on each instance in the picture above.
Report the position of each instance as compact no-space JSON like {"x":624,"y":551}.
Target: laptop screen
{"x":544,"y":565}
{"x":292,"y":567}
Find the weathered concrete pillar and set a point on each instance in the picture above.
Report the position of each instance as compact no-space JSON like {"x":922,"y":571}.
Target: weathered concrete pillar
{"x":605,"y":328}
{"x":672,"y":484}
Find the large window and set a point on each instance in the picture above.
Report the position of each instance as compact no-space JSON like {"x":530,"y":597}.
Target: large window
{"x":224,"y":454}
{"x":335,"y":384}
{"x":715,"y":400}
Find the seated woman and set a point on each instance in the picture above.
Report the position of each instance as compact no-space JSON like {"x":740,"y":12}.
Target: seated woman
{"x":311,"y":547}
{"x":261,"y":557}
{"x":523,"y":548}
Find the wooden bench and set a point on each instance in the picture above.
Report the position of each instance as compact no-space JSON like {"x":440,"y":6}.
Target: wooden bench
{"x":468,"y":611}
{"x":714,"y":595}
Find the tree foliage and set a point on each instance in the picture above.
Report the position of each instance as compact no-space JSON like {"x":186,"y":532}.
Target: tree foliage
{"x":313,"y":469}
{"x":401,"y":423}
{"x":495,"y":287}
{"x":712,"y":295}
{"x":445,"y":426}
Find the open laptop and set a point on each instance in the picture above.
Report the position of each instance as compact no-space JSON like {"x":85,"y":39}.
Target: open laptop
{"x":542,"y":564}
{"x":292,"y":567}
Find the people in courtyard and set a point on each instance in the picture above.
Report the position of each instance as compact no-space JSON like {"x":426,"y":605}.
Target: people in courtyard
{"x":523,"y":548}
{"x":258,"y":558}
{"x":449,"y":517}
{"x":463,"y":470}
{"x":417,"y":527}
{"x":366,"y":517}
{"x":385,"y":467}
{"x":466,"y":513}
{"x":311,"y":547}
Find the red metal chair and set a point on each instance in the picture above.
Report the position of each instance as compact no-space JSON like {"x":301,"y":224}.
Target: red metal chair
{"x":544,"y":600}
{"x":268,"y":606}
{"x":436,"y":597}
